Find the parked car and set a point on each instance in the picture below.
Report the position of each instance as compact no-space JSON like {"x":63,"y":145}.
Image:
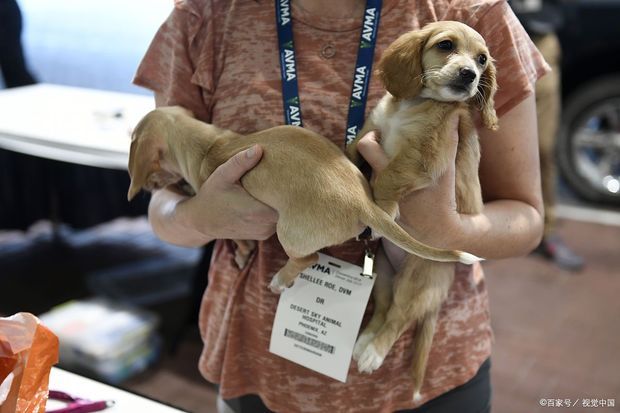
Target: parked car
{"x":588,"y":146}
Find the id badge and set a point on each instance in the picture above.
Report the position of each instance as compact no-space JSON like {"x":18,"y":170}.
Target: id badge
{"x":318,"y":318}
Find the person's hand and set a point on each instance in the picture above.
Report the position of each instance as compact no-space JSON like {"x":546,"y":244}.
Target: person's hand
{"x":223,"y":209}
{"x":428,"y":214}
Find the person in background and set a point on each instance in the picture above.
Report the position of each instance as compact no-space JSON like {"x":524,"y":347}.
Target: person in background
{"x":542,"y":19}
{"x":220,"y":60}
{"x":12,"y":61}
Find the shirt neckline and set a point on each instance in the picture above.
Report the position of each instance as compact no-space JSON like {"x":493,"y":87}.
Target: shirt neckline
{"x":333,"y":24}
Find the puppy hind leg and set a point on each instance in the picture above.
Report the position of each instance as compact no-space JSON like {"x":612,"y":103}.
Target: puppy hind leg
{"x":382,"y":294}
{"x":433,"y":283}
{"x":299,"y":244}
{"x":243,"y":252}
{"x":287,"y":274}
{"x":423,"y":339}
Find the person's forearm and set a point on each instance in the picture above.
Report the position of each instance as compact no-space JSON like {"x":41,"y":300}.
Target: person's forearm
{"x":506,"y":228}
{"x":168,"y":221}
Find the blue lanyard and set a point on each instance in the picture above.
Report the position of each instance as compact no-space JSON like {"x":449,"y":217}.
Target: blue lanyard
{"x":361,"y":76}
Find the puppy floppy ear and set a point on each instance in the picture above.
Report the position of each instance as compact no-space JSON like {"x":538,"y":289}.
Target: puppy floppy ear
{"x":145,"y":155}
{"x":400,"y":67}
{"x":486,"y":98}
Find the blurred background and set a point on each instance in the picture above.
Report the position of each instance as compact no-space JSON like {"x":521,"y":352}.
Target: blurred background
{"x":68,"y":235}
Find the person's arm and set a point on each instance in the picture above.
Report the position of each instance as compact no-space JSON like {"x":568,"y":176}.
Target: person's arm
{"x":510,"y":179}
{"x":221,"y":209}
{"x":512,"y":220}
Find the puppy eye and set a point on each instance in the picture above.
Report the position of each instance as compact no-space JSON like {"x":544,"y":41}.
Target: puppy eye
{"x":445,"y":45}
{"x":482,"y":59}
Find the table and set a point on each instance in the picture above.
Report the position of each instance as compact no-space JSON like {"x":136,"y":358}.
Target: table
{"x":124,"y":402}
{"x":83,"y":126}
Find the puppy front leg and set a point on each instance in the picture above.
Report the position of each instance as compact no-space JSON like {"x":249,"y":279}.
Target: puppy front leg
{"x":395,"y":181}
{"x":396,"y":320}
{"x":394,"y":325}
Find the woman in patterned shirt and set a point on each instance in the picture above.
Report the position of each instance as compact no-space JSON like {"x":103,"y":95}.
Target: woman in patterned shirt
{"x":219,"y":58}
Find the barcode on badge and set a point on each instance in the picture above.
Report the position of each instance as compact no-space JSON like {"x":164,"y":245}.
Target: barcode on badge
{"x":309,"y":340}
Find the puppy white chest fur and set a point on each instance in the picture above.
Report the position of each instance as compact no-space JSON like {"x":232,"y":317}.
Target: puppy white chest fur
{"x":391,"y":117}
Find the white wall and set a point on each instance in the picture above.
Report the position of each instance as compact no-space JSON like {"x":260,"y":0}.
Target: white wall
{"x":90,"y":43}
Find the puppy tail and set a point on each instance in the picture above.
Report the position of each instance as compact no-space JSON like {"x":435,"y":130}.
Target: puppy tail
{"x":422,"y":341}
{"x":381,"y":222}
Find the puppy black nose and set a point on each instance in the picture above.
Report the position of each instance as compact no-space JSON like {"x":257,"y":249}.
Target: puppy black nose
{"x":467,"y":75}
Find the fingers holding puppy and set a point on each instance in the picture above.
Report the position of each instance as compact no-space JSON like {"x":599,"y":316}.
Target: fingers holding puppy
{"x":223,"y":209}
{"x":231,"y":171}
{"x":369,"y":147}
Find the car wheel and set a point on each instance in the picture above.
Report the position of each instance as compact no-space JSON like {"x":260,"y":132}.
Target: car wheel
{"x":589,"y":141}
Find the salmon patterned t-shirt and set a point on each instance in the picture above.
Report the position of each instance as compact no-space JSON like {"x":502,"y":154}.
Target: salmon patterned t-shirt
{"x":219,"y":58}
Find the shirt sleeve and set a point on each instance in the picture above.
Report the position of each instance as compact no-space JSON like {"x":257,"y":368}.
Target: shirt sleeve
{"x":519,"y":63}
{"x":178,"y":65}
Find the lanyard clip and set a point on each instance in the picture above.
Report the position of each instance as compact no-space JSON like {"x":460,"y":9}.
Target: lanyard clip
{"x":369,"y":262}
{"x":369,"y":257}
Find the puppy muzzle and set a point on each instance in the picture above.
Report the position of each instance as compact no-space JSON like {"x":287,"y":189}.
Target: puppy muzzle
{"x":464,"y":82}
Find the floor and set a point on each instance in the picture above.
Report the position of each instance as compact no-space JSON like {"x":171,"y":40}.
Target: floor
{"x":557,"y":334}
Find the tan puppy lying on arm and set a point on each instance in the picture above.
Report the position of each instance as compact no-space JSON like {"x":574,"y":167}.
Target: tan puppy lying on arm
{"x":321,"y":197}
{"x":433,"y":74}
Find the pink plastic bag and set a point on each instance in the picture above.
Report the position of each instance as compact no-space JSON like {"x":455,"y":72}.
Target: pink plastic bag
{"x":28,"y":350}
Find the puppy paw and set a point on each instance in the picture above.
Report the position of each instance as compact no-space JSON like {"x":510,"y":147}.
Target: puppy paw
{"x":417,"y":396}
{"x":370,"y":360}
{"x":241,"y":259}
{"x":361,"y":344}
{"x":244,"y":250}
{"x":277,"y":284}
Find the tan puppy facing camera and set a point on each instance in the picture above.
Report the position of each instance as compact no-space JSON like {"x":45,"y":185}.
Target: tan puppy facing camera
{"x":432,"y":74}
{"x":321,"y":197}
